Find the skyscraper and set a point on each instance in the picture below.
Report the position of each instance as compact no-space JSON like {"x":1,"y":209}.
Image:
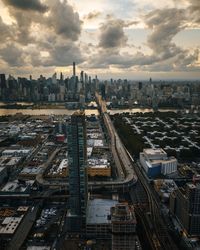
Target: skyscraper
{"x":74,"y":69}
{"x":2,"y":86}
{"x":77,"y":172}
{"x":2,"y":81}
{"x":82,"y":76}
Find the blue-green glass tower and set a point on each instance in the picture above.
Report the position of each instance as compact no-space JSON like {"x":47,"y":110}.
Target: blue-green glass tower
{"x":77,"y":152}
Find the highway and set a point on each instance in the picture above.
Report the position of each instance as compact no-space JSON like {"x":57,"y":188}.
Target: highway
{"x":126,"y":175}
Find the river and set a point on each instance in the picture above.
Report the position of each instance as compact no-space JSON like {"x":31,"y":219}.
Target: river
{"x":4,"y":112}
{"x":140,"y":110}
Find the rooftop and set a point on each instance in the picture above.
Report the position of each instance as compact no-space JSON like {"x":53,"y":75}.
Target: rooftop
{"x":98,"y":211}
{"x":157,"y":151}
{"x":9,"y":161}
{"x":38,"y":248}
{"x":2,"y":169}
{"x":123,"y":213}
{"x":15,"y":186}
{"x":31,"y":171}
{"x":9,"y":225}
{"x":98,"y":163}
{"x":16,"y":151}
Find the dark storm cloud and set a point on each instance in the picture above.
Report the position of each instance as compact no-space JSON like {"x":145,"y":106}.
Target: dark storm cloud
{"x":24,"y":20}
{"x":195,"y":11}
{"x":64,"y":20}
{"x":104,"y":59}
{"x":180,"y":63}
{"x":192,"y":12}
{"x":34,"y":5}
{"x":107,"y":58}
{"x":6,"y":32}
{"x":61,"y":52}
{"x":64,"y":55}
{"x":165,"y":24}
{"x":112,"y":34}
{"x":12,"y":54}
{"x":92,"y":15}
{"x":166,"y":55}
{"x":185,"y":60}
{"x":194,"y":4}
{"x":59,"y":31}
{"x":61,"y":19}
{"x":130,"y":23}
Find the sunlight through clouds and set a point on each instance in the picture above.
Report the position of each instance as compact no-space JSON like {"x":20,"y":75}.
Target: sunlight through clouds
{"x":117,"y":36}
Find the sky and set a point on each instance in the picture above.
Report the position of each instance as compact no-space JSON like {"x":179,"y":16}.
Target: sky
{"x":127,"y":39}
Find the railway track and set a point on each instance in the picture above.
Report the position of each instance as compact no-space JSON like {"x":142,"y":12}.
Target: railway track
{"x":160,"y":236}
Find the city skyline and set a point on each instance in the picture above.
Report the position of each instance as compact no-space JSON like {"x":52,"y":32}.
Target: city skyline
{"x":126,"y":39}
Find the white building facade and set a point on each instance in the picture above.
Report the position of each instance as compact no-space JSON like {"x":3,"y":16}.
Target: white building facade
{"x":155,"y":162}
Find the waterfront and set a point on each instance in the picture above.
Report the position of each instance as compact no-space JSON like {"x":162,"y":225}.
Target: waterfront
{"x":4,"y":111}
{"x":140,"y":110}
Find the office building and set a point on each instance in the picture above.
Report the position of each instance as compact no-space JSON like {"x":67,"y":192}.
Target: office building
{"x":185,"y":205}
{"x":2,"y":81}
{"x":77,"y":153}
{"x":3,"y":86}
{"x":155,"y":162}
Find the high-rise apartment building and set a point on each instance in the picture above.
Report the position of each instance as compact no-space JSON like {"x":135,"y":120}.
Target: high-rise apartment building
{"x":77,"y":172}
{"x":185,"y":205}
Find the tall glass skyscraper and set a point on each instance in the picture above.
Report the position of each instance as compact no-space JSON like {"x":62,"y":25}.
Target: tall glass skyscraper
{"x":77,"y":152}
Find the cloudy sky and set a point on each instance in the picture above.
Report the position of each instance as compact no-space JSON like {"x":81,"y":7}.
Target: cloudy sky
{"x":134,"y":39}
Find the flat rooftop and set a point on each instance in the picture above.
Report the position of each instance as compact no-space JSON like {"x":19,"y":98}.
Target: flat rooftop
{"x":9,"y":161}
{"x":2,"y":169}
{"x":31,"y":170}
{"x":38,"y":248}
{"x":63,"y":164}
{"x":95,"y":143}
{"x":98,"y":163}
{"x":17,"y":151}
{"x":15,"y":186}
{"x":98,"y":211}
{"x":10,"y":224}
{"x":157,"y":151}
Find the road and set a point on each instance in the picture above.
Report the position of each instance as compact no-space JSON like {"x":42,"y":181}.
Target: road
{"x":39,"y":177}
{"x":121,"y":159}
{"x":126,"y":175}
